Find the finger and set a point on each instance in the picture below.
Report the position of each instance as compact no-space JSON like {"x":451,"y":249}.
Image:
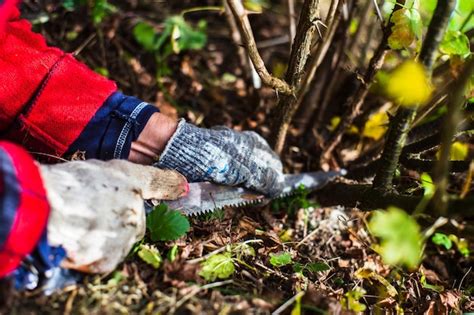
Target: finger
{"x":153,"y":182}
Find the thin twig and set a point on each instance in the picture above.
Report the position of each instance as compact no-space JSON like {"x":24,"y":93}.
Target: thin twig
{"x":291,"y":18}
{"x":240,"y":15}
{"x":287,"y":304}
{"x":193,"y":293}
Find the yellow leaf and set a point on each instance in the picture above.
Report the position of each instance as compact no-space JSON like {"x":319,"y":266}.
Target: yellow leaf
{"x":409,"y":84}
{"x":458,"y":151}
{"x":376,"y":126}
{"x":336,"y":120}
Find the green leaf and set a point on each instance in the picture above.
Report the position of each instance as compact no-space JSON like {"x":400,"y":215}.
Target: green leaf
{"x":427,"y":184}
{"x":460,"y":16}
{"x":116,"y":278}
{"x":100,"y":9}
{"x":172,"y":253}
{"x":280,"y":259}
{"x":145,"y":35}
{"x":217,"y":266}
{"x":428,"y":192}
{"x":461,"y":244}
{"x":406,"y":28}
{"x":255,"y":5}
{"x":150,"y":255}
{"x":183,"y":36}
{"x":102,"y":71}
{"x":401,"y":240}
{"x":351,"y":299}
{"x":298,"y":267}
{"x":455,"y":43}
{"x":317,"y":267}
{"x":165,"y":224}
{"x":243,"y":250}
{"x":441,"y":239}
{"x":426,"y":285}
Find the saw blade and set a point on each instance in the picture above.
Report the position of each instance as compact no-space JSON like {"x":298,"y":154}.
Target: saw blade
{"x":206,"y":197}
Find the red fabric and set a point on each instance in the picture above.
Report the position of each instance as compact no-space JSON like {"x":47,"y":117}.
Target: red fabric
{"x":32,"y":213}
{"x":46,"y":96}
{"x":8,"y":11}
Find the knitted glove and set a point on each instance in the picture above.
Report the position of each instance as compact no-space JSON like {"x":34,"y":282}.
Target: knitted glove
{"x":223,"y":156}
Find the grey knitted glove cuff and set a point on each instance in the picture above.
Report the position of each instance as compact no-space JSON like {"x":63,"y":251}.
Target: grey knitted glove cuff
{"x":223,"y":156}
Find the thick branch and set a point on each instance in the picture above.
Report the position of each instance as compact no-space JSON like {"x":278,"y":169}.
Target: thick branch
{"x":366,"y":198}
{"x":302,"y":42}
{"x":243,"y":23}
{"x":287,"y":106}
{"x":402,"y":122}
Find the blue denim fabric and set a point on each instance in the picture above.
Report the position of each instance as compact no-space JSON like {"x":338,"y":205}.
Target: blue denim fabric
{"x":110,"y":133}
{"x":41,"y":269}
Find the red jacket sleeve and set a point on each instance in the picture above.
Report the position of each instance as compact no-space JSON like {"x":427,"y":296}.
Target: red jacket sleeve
{"x":46,"y":96}
{"x":51,"y":103}
{"x":24,"y":208}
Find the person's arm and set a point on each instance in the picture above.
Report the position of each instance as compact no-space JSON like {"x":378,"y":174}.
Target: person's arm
{"x":55,"y":106}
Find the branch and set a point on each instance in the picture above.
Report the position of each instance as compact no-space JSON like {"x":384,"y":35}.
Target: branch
{"x":453,"y":117}
{"x":240,"y":15}
{"x":355,"y":103}
{"x":402,"y":122}
{"x":291,"y":17}
{"x":366,"y":198}
{"x":288,"y":105}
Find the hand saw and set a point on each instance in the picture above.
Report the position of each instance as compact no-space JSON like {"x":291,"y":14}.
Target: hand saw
{"x":206,"y":197}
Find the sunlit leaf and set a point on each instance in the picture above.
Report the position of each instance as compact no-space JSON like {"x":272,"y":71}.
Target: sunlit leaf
{"x":461,"y":244}
{"x":401,"y":240}
{"x":428,"y":192}
{"x":409,"y":84}
{"x":280,"y":259}
{"x":297,"y":308}
{"x":441,"y":239}
{"x":173,"y":253}
{"x":455,"y":43}
{"x":351,"y":299}
{"x":406,"y":28}
{"x":459,"y":151}
{"x":376,"y":126}
{"x":218,"y":266}
{"x":460,"y":16}
{"x":255,"y":5}
{"x":365,"y":273}
{"x":427,"y":184}
{"x":150,"y":255}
